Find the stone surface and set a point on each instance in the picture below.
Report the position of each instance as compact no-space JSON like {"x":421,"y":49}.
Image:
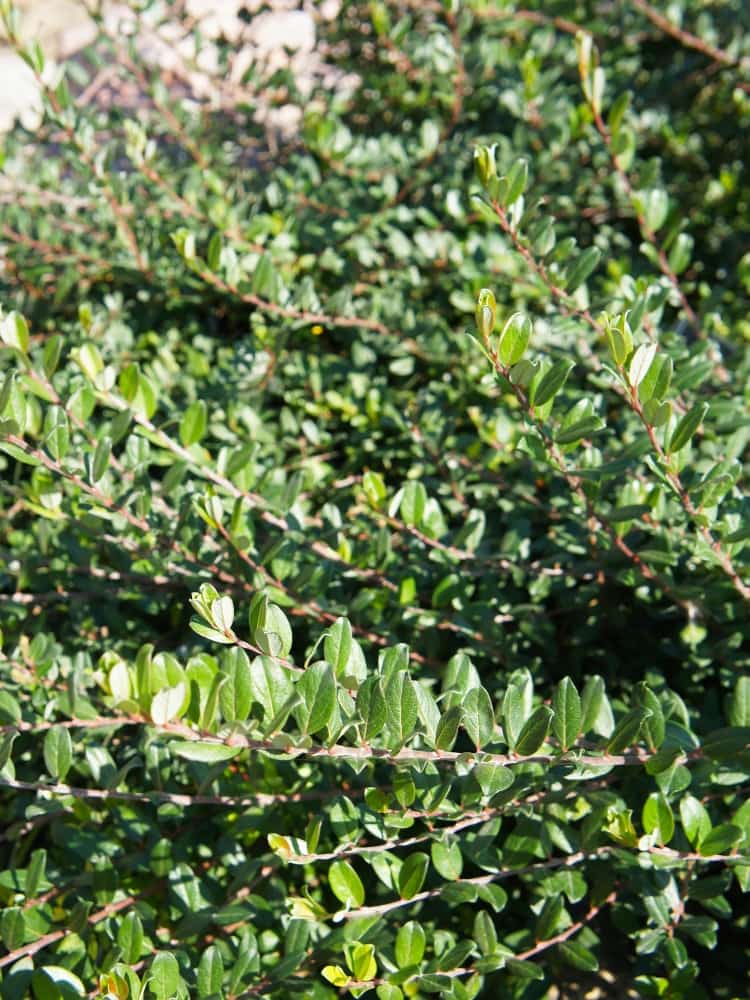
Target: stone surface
{"x":283,"y":36}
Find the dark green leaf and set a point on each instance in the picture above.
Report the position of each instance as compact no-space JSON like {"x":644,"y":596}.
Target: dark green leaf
{"x":566,"y":724}
{"x":550,"y":383}
{"x":687,"y":427}
{"x":58,"y":752}
{"x":627,"y":730}
{"x":534,"y":731}
{"x":412,"y":875}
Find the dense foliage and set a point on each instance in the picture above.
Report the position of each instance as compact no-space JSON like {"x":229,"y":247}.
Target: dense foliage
{"x":375,"y":564}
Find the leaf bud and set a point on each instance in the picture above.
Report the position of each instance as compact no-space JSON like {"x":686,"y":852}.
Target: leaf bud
{"x":485,"y":314}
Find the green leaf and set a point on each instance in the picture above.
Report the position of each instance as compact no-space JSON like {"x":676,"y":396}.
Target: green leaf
{"x":335,"y":975}
{"x":130,"y":938}
{"x":210,"y":976}
{"x":524,"y":970}
{"x":371,"y":708}
{"x":343,"y":652}
{"x":410,"y":944}
{"x":514,"y":339}
{"x":447,"y":859}
{"x":581,"y":268}
{"x":387,"y":991}
{"x":194,"y":423}
{"x":585,"y":428}
{"x":412,"y":874}
{"x":35,"y":873}
{"x":53,"y":982}
{"x":654,"y":727}
{"x":640,"y":364}
{"x":687,"y":427}
{"x":566,"y":724}
{"x":270,"y":684}
{"x":514,"y":713}
{"x":721,"y":840}
{"x":657,"y":818}
{"x":207,"y":632}
{"x":236,"y":696}
{"x":213,"y":252}
{"x":413,"y":501}
{"x":695,"y":819}
{"x":516,"y":181}
{"x":164,"y":976}
{"x":728,"y":743}
{"x":203,"y":753}
{"x":478,"y":718}
{"x":739,"y":703}
{"x":681,"y":252}
{"x":704,"y":930}
{"x":551,"y":382}
{"x":578,"y":956}
{"x":12,"y":927}
{"x":447,"y":728}
{"x":346,"y":885}
{"x":484,"y":933}
{"x":547,"y":923}
{"x":10,"y":710}
{"x":595,"y":709}
{"x":361,"y":960}
{"x":655,"y":383}
{"x":274,"y":634}
{"x":654,"y":203}
{"x":492,"y":778}
{"x":266,"y":280}
{"x":51,"y":355}
{"x":168,"y":704}
{"x":317,"y":688}
{"x":100,"y":462}
{"x":534,"y":731}
{"x":401,"y":707}
{"x":58,"y":752}
{"x":627,"y":730}
{"x":14,"y":331}
{"x":57,"y":440}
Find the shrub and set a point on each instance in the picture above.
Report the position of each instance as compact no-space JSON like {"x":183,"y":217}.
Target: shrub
{"x":434,"y":418}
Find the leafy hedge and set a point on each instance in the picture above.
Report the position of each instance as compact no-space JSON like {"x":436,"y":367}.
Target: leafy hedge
{"x":375,"y":552}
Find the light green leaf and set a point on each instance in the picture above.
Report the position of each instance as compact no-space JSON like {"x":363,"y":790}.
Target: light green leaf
{"x":477,"y":717}
{"x":401,"y":707}
{"x":130,"y":938}
{"x":739,"y":703}
{"x":203,"y":753}
{"x":164,"y":976}
{"x":194,"y":423}
{"x":210,"y":972}
{"x":270,"y":684}
{"x":345,"y":884}
{"x":514,"y":339}
{"x":447,"y":859}
{"x":410,"y":944}
{"x":658,"y":818}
